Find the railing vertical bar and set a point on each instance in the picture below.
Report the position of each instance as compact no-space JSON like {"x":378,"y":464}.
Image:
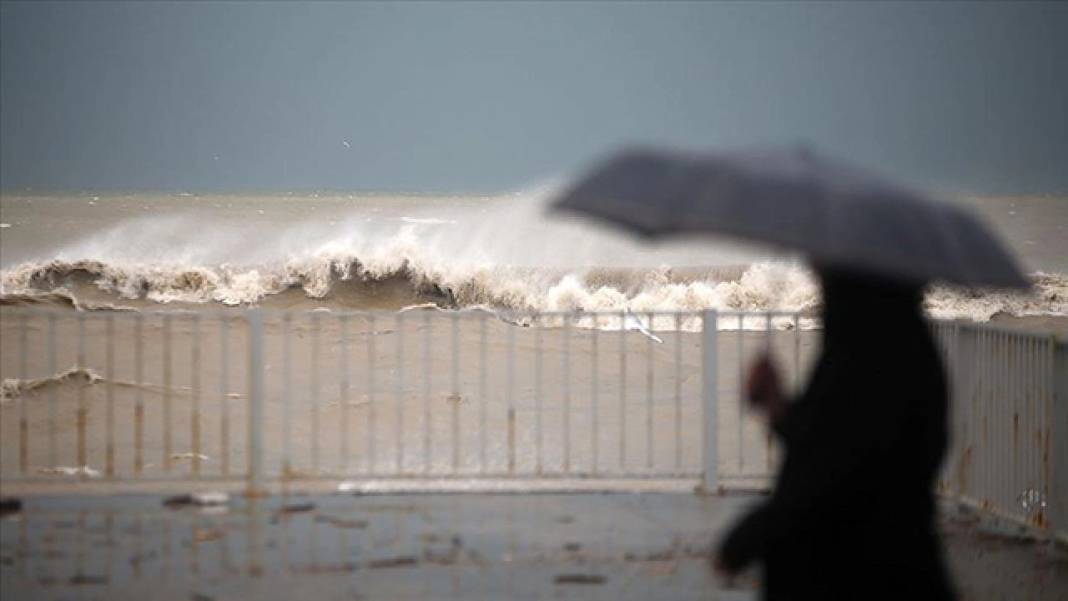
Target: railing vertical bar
{"x":710,"y":396}
{"x":1044,"y":348}
{"x":1019,"y":415}
{"x":398,"y":393}
{"x":53,"y":409}
{"x":454,"y":396}
{"x":1034,"y":376}
{"x":24,"y":375}
{"x":427,"y":324}
{"x":1008,"y":482}
{"x":372,"y":410}
{"x":966,"y":408}
{"x":975,"y":474}
{"x":167,"y":393}
{"x":741,"y":395}
{"x":1034,"y":409}
{"x":287,"y":395}
{"x":769,"y":340}
{"x":194,"y":391}
{"x":139,"y":394}
{"x":997,"y":397}
{"x":1025,"y":364}
{"x":975,"y":420}
{"x":1050,"y":377}
{"x":224,"y":395}
{"x":83,"y":408}
{"x":1006,"y":430}
{"x":623,"y":391}
{"x":537,"y":322}
{"x":510,"y":389}
{"x":482,"y":400}
{"x":595,"y":380}
{"x":109,"y":418}
{"x":1026,"y":367}
{"x":678,"y":391}
{"x":1024,"y":379}
{"x":649,"y":359}
{"x":565,"y":384}
{"x":978,"y":420}
{"x":314,"y":392}
{"x":1054,"y":431}
{"x":343,"y":393}
{"x":986,"y":375}
{"x":255,"y":403}
{"x":1001,"y":421}
{"x":1009,"y":407}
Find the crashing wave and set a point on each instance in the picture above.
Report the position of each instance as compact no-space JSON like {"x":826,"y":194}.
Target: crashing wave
{"x":392,"y":280}
{"x":347,"y":278}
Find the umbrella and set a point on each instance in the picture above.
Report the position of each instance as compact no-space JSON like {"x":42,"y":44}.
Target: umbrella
{"x":836,"y":214}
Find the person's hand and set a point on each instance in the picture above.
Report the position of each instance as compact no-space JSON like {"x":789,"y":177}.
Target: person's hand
{"x":763,"y":389}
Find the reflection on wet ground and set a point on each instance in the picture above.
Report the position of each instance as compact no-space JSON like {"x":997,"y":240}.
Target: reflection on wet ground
{"x":419,"y":546}
{"x":433,"y":546}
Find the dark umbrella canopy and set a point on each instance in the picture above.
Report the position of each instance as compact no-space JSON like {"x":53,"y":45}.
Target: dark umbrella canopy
{"x":834,"y":213}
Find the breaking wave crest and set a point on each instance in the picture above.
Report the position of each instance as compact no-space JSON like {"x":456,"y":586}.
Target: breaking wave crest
{"x":346,"y":281}
{"x":501,"y":256}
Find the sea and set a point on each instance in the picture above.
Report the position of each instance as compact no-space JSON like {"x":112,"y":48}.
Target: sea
{"x":134,"y":251}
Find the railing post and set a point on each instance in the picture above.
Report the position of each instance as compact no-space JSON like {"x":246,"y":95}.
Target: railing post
{"x":255,"y":403}
{"x":1058,"y":484}
{"x":710,"y":398}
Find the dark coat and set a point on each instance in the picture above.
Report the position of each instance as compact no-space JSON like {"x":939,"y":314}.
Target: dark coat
{"x":852,"y":514}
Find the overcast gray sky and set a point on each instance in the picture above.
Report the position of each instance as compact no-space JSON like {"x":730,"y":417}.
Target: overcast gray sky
{"x":490,"y":97}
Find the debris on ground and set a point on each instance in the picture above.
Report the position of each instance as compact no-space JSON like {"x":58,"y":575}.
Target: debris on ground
{"x":392,"y":562}
{"x":9,"y":505}
{"x":197,"y":499}
{"x":579,"y":579}
{"x":339,"y":522}
{"x":296,"y":508}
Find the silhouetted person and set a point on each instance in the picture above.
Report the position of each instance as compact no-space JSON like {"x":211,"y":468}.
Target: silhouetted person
{"x":852,"y":515}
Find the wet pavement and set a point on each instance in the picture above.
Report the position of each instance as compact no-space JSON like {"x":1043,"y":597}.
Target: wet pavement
{"x":429,"y":546}
{"x":612,"y":546}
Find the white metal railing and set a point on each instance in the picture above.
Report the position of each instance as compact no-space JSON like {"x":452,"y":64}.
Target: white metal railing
{"x":268,"y":396}
{"x":262,"y":398}
{"x":1009,"y":422}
